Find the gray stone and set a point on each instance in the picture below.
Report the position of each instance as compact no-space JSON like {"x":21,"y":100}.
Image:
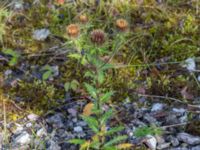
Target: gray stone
{"x":157,"y":107}
{"x":179,"y":148}
{"x":72,"y":111}
{"x":179,"y":110}
{"x":53,"y":145}
{"x":33,"y":117}
{"x":174,"y":141}
{"x":78,"y":129}
{"x":56,"y":120}
{"x":23,"y":138}
{"x":82,"y":123}
{"x":29,"y":124}
{"x":41,"y":132}
{"x":41,"y":34}
{"x":196,"y":147}
{"x":151,"y":142}
{"x":163,"y":146}
{"x":189,"y":139}
{"x":8,"y":72}
{"x":150,"y":119}
{"x":18,"y":5}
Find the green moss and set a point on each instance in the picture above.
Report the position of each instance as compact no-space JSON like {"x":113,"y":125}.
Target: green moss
{"x":38,"y":95}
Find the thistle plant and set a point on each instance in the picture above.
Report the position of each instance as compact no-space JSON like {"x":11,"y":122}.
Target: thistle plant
{"x":98,"y":120}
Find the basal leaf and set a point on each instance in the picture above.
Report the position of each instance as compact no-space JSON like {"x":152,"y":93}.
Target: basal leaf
{"x":77,"y":141}
{"x":116,"y":140}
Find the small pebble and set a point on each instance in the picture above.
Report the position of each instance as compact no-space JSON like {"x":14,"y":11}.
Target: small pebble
{"x":78,"y":129}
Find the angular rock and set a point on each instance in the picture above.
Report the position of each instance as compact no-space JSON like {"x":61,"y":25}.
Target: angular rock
{"x":189,"y":139}
{"x":78,"y":129}
{"x":163,"y":146}
{"x":41,"y":34}
{"x":56,"y":120}
{"x":196,"y":148}
{"x":53,"y":145}
{"x":41,"y":132}
{"x":151,"y":142}
{"x":72,"y":111}
{"x":23,"y":138}
{"x":33,"y":117}
{"x":179,"y":110}
{"x":174,"y":141}
{"x":157,"y":107}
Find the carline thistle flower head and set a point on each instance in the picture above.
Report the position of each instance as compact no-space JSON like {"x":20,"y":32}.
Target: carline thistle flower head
{"x":73,"y":30}
{"x":122,"y":24}
{"x":98,"y":36}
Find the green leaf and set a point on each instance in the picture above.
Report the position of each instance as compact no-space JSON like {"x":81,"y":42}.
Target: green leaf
{"x":11,"y":52}
{"x":89,"y":74}
{"x":47,"y":68}
{"x":106,"y":97}
{"x":114,"y":130}
{"x":92,"y":123}
{"x":115,"y":140}
{"x":77,"y":141}
{"x":107,"y":66}
{"x":46,"y":75}
{"x":84,"y":61}
{"x":13,"y":61}
{"x":143,"y":131}
{"x":91,"y":90}
{"x":76,"y":56}
{"x":74,"y":84}
{"x":67,"y":86}
{"x":106,"y":116}
{"x":100,"y":77}
{"x":15,"y":56}
{"x":95,"y":145}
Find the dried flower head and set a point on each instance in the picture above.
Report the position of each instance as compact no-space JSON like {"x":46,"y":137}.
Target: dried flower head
{"x":98,"y":36}
{"x":83,"y":18}
{"x":73,"y":30}
{"x":122,"y":24}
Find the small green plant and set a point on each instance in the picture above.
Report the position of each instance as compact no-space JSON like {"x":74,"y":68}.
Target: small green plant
{"x":143,"y":131}
{"x":73,"y":85}
{"x":14,"y":56}
{"x":48,"y":72}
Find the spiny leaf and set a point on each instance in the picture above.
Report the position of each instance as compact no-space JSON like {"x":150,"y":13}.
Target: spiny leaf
{"x":114,"y":130}
{"x":85,"y":145}
{"x":92,"y":123}
{"x":106,"y":97}
{"x":106,"y":116}
{"x":77,"y":141}
{"x":116,"y":140}
{"x":91,"y":90}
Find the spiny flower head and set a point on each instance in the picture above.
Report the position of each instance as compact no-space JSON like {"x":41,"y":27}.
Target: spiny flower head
{"x":98,"y":36}
{"x":122,"y":24}
{"x":73,"y":30}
